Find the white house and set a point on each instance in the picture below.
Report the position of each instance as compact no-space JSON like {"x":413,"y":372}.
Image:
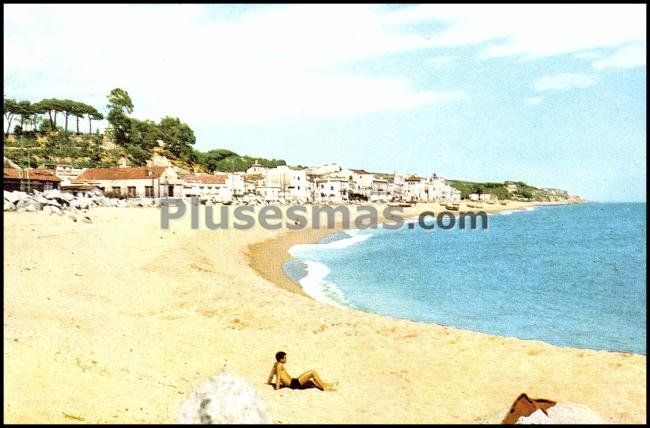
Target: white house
{"x":292,"y":182}
{"x":269,"y":193}
{"x":331,"y":188}
{"x":156,"y":181}
{"x":440,"y":190}
{"x":256,"y":168}
{"x":414,"y":188}
{"x":206,"y":185}
{"x":328,"y":168}
{"x":379,"y":190}
{"x":236,"y":183}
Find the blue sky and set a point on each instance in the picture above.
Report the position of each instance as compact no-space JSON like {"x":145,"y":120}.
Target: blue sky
{"x":552,"y":95}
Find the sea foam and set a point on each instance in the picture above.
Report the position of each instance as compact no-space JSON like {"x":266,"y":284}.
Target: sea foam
{"x":316,"y":286}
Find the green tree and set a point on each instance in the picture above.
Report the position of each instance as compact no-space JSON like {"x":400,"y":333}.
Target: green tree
{"x":24,"y":109}
{"x":137,"y":154}
{"x":119,"y":104}
{"x":178,"y":136}
{"x":51,"y":106}
{"x":67,"y":108}
{"x":10,"y":110}
{"x":79,"y":110}
{"x":212,"y":158}
{"x":145,"y":133}
{"x":93,"y":114}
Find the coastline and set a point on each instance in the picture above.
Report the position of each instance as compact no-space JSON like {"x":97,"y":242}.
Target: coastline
{"x":116,"y":321}
{"x":268,"y":257}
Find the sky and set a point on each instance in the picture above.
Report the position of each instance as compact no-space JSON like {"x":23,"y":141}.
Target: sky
{"x":552,"y":95}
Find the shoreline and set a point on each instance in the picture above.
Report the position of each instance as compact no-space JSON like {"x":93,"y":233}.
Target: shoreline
{"x":268,"y":257}
{"x":118,"y":320}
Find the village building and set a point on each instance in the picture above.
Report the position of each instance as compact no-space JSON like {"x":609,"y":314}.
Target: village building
{"x":136,"y":182}
{"x":414,"y":189}
{"x":206,"y":185}
{"x":379,"y":190}
{"x":67,"y":173}
{"x":292,"y":182}
{"x":440,"y":190}
{"x":331,"y":188}
{"x":235,"y":181}
{"x":29,"y":179}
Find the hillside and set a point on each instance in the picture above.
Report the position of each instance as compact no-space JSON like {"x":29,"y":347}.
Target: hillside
{"x":513,"y":190}
{"x":92,"y":151}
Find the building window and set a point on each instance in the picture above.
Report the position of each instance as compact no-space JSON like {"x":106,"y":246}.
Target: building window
{"x":331,"y":187}
{"x":148,"y":191}
{"x":130,"y":191}
{"x":117,"y":190}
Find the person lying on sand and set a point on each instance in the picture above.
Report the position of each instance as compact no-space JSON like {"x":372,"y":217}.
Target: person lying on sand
{"x":282,"y":378}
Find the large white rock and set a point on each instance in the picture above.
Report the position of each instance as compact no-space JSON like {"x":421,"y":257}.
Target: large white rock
{"x":224,"y":399}
{"x":15,"y":196}
{"x":564,"y":413}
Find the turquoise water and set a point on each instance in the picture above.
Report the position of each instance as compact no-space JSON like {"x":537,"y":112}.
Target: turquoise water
{"x":570,"y":275}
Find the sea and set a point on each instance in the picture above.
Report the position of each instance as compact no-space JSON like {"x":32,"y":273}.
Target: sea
{"x":569,"y":275}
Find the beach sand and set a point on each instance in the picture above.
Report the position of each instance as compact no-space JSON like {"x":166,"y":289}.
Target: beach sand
{"x":116,"y":321}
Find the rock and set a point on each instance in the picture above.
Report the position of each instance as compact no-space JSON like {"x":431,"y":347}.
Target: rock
{"x":224,"y":399}
{"x":57,"y":194}
{"x":32,"y":206}
{"x":86,"y":219}
{"x":41,"y":200}
{"x":15,"y":196}
{"x":56,"y":210}
{"x":47,"y":210}
{"x":81,"y":203}
{"x":9,"y":206}
{"x":573,"y":413}
{"x":535,"y":418}
{"x":563,"y":413}
{"x":72,"y":217}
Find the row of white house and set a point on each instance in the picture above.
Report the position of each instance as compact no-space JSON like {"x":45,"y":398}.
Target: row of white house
{"x":326,"y":183}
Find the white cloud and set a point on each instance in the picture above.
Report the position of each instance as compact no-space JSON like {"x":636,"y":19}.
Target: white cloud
{"x":533,"y":30}
{"x":533,"y":101}
{"x":282,"y":61}
{"x":268,"y":62}
{"x":625,"y":57}
{"x":588,"y":55}
{"x":562,"y":81}
{"x":441,"y":61}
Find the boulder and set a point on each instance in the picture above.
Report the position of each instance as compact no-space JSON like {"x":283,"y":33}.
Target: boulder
{"x":9,"y":206}
{"x":224,"y":399}
{"x":15,"y":196}
{"x":33,"y":207}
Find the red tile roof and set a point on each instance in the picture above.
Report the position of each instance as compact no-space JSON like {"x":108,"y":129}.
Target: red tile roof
{"x":204,"y":179}
{"x":359,"y":171}
{"x":137,"y":173}
{"x":32,"y":174}
{"x":413,"y":178}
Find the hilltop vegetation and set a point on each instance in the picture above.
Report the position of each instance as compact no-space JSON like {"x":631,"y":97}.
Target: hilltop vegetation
{"x":39,"y":140}
{"x":516,"y":190}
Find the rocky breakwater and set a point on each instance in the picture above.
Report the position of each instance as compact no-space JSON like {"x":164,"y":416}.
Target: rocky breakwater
{"x":61,"y":203}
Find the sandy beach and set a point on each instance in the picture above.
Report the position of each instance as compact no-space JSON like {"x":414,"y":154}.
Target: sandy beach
{"x":116,"y":321}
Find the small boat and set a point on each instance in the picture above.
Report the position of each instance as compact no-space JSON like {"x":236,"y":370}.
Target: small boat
{"x":504,"y":203}
{"x":454,"y":207}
